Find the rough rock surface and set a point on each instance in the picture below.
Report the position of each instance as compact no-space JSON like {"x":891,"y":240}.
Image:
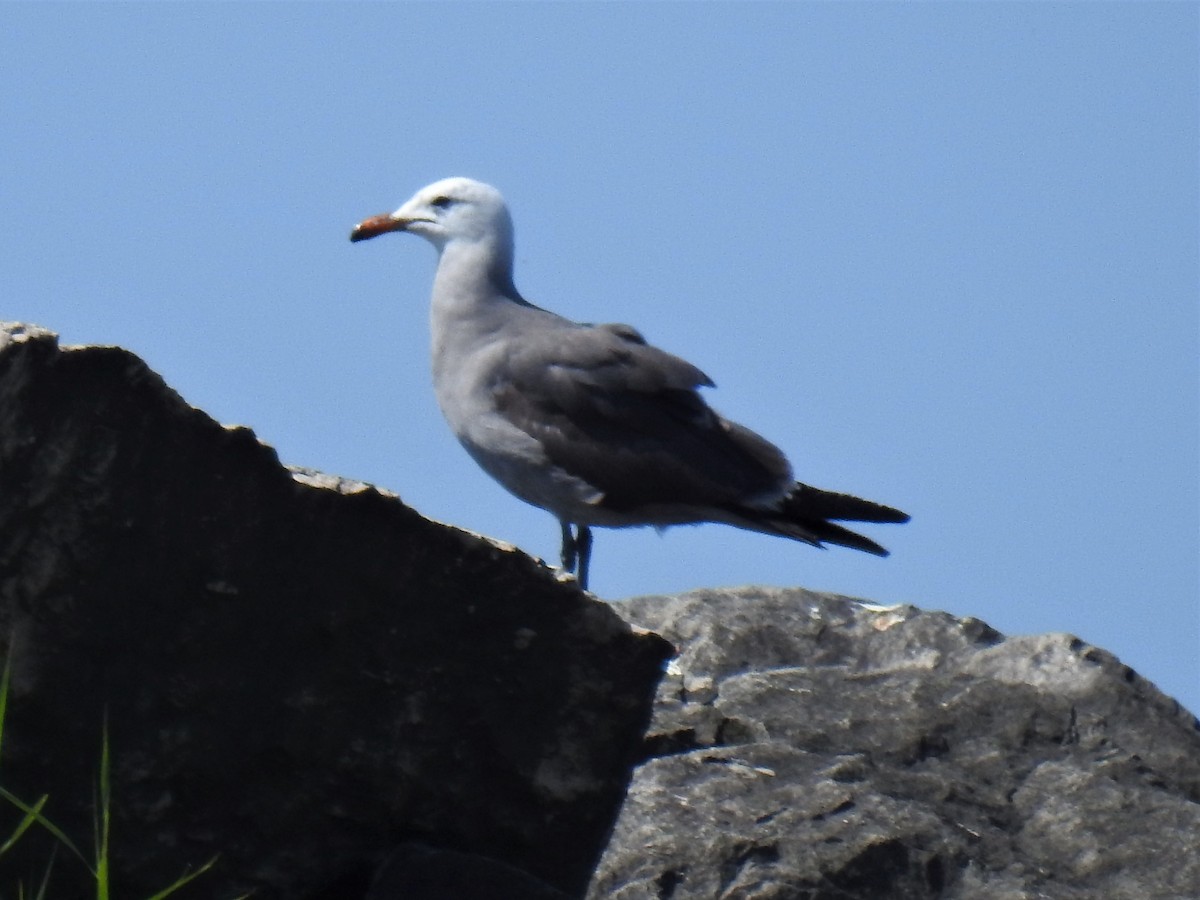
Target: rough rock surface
{"x":813,"y":746}
{"x":298,"y":672}
{"x":346,"y":701}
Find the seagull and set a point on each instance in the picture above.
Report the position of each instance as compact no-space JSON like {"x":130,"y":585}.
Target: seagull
{"x":591,"y":422}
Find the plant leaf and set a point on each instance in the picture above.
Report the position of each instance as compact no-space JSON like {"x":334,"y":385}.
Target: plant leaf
{"x":184,"y":879}
{"x":47,"y":824}
{"x":31,"y":816}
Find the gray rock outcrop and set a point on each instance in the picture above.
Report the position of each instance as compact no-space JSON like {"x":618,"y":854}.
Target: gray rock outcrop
{"x":342,"y":700}
{"x":813,"y":746}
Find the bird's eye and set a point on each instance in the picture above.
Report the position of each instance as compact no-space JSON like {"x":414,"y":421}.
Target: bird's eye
{"x":441,"y":202}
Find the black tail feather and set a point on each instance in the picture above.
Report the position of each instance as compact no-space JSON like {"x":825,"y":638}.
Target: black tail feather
{"x":805,"y":514}
{"x":823,"y":532}
{"x":807,"y":502}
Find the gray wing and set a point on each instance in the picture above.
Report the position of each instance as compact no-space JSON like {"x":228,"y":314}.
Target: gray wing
{"x":625,"y":416}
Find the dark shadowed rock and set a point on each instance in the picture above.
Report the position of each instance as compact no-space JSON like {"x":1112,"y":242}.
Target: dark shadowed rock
{"x":812,"y":746}
{"x":298,"y":671}
{"x":421,"y":872}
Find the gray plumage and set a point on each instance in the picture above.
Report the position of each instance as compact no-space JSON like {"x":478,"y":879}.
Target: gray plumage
{"x":589,"y":421}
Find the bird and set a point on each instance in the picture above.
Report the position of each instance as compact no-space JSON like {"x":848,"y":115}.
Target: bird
{"x":590,"y":421}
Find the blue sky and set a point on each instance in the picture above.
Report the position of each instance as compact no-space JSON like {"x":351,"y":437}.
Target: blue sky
{"x":944,"y":255}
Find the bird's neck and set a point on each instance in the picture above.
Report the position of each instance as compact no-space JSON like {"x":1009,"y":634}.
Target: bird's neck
{"x":472,"y":273}
{"x":471,"y":289}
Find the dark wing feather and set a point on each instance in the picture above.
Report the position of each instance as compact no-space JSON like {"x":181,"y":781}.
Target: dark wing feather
{"x":625,"y":416}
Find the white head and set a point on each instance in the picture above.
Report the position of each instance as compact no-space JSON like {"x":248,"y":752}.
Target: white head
{"x":448,"y":211}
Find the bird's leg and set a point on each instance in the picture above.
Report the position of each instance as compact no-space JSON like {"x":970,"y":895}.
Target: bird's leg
{"x":583,"y":541}
{"x":569,"y":548}
{"x":577,"y":551}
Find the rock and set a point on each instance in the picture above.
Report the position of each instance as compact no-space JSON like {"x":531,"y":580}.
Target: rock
{"x":421,"y":872}
{"x":809,"y":745}
{"x":345,"y":701}
{"x":297,"y":671}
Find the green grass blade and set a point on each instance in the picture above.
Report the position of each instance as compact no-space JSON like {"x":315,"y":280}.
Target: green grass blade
{"x":47,"y":824}
{"x":184,"y":879}
{"x":31,"y":816}
{"x":4,"y":682}
{"x":41,"y":893}
{"x":102,"y":816}
{"x":101,"y":821}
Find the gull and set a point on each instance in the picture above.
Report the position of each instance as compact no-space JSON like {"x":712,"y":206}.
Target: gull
{"x":591,"y":422}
